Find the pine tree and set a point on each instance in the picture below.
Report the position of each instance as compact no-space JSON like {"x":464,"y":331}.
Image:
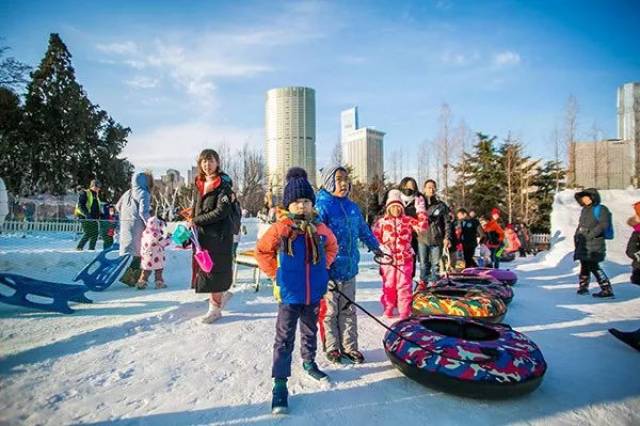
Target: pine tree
{"x":11,"y":148}
{"x":545,"y":183}
{"x":483,"y":177}
{"x":70,"y":140}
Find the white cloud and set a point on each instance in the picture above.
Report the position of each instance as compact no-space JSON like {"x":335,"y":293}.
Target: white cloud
{"x":141,"y":82}
{"x":460,"y":58}
{"x":178,"y":145}
{"x":506,"y":58}
{"x":125,"y":48}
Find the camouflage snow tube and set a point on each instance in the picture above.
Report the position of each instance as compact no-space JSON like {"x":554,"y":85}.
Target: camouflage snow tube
{"x":503,"y":275}
{"x":487,"y":284}
{"x":465,"y":357}
{"x":459,"y":303}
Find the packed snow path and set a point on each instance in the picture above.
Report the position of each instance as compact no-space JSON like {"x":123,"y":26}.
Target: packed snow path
{"x":143,"y":357}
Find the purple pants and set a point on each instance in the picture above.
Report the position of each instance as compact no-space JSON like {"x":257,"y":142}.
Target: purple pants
{"x":286,"y":323}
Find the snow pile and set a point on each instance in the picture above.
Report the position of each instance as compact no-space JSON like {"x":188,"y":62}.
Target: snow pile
{"x":143,"y":357}
{"x":564,"y":221}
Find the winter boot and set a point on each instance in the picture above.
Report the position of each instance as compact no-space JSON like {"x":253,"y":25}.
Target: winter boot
{"x":314,"y":372}
{"x":213,"y":314}
{"x":631,"y":338}
{"x":333,"y":356}
{"x":355,"y":357}
{"x":225,"y":299}
{"x":583,"y":284}
{"x":605,"y":285}
{"x":279,"y":401}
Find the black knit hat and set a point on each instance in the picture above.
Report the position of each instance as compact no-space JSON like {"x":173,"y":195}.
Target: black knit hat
{"x":297,"y":186}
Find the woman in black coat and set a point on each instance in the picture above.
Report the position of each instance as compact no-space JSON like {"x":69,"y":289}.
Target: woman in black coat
{"x":589,"y":239}
{"x":212,"y":220}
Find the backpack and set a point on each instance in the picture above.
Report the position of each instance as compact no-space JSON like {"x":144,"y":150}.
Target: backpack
{"x":608,"y":233}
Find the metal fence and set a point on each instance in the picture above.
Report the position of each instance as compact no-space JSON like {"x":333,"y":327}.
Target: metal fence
{"x":44,"y":226}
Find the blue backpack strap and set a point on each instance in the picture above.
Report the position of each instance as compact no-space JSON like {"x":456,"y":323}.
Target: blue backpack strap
{"x":596,"y":211}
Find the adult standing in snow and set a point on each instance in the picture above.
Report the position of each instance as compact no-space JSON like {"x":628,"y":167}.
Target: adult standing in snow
{"x":212,"y":220}
{"x":338,"y":317}
{"x":589,"y":239}
{"x":88,"y":211}
{"x":436,"y":239}
{"x":408,"y":194}
{"x":134,"y":208}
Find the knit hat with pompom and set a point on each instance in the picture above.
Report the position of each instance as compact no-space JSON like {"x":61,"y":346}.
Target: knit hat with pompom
{"x":297,"y":186}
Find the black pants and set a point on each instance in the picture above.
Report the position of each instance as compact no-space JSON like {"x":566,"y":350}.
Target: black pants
{"x":468,"y":251}
{"x":90,"y":229}
{"x":635,"y":276}
{"x":286,"y":322}
{"x":588,"y":267}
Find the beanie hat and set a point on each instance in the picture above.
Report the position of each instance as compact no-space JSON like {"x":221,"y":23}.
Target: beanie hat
{"x":394,"y":197}
{"x":636,"y":207}
{"x":329,"y":177}
{"x":495,"y":211}
{"x":297,"y":187}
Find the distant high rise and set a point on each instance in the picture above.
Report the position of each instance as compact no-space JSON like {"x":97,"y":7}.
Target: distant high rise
{"x":290,"y":132}
{"x":362,"y":148}
{"x":629,"y":120}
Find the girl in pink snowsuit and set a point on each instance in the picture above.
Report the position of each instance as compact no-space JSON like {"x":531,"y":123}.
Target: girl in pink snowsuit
{"x":394,"y":231}
{"x":152,"y":244}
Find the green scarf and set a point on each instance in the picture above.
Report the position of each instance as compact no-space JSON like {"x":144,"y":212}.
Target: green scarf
{"x":304,"y":225}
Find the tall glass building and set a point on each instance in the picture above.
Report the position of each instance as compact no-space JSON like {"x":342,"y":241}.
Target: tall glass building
{"x":290,"y":133}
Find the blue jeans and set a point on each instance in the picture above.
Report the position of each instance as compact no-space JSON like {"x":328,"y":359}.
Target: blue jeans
{"x":429,"y":257}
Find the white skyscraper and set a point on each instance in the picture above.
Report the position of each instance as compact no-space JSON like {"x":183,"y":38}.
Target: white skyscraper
{"x":290,"y":133}
{"x":629,"y":120}
{"x":362,"y":148}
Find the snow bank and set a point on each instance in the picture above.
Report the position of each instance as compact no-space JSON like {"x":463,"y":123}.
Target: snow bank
{"x":142,"y":357}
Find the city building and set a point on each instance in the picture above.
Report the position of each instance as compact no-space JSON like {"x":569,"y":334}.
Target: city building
{"x":362,"y":148}
{"x":191,"y":175}
{"x":606,"y":164}
{"x":290,"y":133}
{"x":629,"y":120}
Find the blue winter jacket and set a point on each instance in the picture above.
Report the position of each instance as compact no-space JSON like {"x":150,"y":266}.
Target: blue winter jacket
{"x":298,"y":280}
{"x":344,"y":218}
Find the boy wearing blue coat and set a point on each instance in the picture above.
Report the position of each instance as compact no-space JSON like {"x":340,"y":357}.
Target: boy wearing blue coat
{"x":338,"y":319}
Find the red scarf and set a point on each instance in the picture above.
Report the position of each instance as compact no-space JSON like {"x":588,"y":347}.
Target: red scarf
{"x":201,"y":184}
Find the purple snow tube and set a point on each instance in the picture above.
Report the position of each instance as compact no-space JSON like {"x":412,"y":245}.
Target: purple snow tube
{"x":503,"y":275}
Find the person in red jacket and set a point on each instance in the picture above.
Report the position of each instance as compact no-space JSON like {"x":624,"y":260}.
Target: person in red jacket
{"x":494,"y":236}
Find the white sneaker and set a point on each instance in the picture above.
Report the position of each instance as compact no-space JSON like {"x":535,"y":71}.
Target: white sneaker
{"x":225,"y":298}
{"x":213,"y":314}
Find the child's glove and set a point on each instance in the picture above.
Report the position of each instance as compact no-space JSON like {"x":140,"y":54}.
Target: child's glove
{"x":637,"y":256}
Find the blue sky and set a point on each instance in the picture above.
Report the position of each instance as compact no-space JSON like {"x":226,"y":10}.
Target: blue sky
{"x":191,"y":74}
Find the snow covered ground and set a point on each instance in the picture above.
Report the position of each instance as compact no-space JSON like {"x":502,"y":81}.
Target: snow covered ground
{"x":143,"y":357}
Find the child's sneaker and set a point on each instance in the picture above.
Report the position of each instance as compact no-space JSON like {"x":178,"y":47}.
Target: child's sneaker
{"x":279,"y":401}
{"x":314,"y":372}
{"x":213,"y":314}
{"x":160,"y":284}
{"x":355,"y":357}
{"x":141,"y":285}
{"x":333,"y":356}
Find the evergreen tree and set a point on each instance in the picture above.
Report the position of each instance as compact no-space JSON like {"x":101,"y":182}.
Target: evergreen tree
{"x":483,"y":177}
{"x":545,"y":184}
{"x":11,"y":148}
{"x":70,"y":140}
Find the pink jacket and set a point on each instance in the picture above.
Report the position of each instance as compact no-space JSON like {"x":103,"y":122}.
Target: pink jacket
{"x":395,"y":233}
{"x":513,"y":242}
{"x":153,"y":243}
